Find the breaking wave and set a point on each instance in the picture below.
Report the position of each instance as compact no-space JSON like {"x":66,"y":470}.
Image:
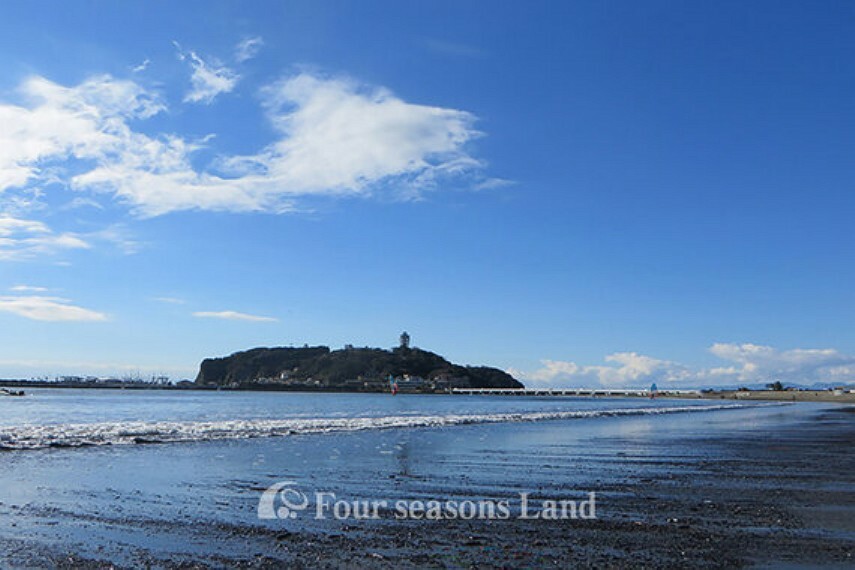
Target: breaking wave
{"x":130,"y":433}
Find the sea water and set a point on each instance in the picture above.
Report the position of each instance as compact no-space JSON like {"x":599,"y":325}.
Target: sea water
{"x":81,"y":417}
{"x":81,"y":472}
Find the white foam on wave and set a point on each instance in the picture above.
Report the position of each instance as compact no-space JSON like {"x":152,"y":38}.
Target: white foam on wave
{"x":128,"y":433}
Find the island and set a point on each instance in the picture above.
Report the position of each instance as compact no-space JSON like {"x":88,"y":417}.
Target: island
{"x":350,"y":369}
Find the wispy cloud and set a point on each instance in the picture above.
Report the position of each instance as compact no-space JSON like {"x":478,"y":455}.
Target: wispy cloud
{"x":24,"y":239}
{"x":53,"y":309}
{"x":493,"y":183}
{"x":209,"y":78}
{"x":118,"y":236}
{"x":86,"y":122}
{"x":169,"y":300}
{"x":247,"y":49}
{"x":336,"y":137}
{"x":24,"y":201}
{"x":83,"y":202}
{"x":142,"y":66}
{"x":27,"y":289}
{"x":233,"y":316}
{"x":748,"y":363}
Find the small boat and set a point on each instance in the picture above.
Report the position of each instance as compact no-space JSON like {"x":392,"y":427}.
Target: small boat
{"x":8,"y":392}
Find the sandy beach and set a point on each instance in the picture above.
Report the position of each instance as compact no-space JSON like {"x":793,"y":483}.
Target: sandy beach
{"x":784,"y":395}
{"x":765,"y":487}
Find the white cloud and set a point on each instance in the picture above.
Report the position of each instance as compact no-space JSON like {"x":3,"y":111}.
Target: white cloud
{"x":83,"y":202}
{"x":633,"y":367}
{"x":749,"y":364}
{"x":340,"y":137}
{"x":119,"y":237}
{"x":86,"y":122}
{"x":169,"y":300}
{"x":23,"y":201}
{"x":624,"y":368}
{"x":141,"y":67}
{"x":40,"y":308}
{"x":493,"y":183}
{"x":23,"y":239}
{"x":209,"y":78}
{"x":248,"y":49}
{"x":335,"y":138}
{"x":757,"y":363}
{"x":27,"y":289}
{"x":232,"y":316}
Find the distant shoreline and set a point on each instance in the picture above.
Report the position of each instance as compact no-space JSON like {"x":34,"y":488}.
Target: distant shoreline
{"x":753,"y":395}
{"x":782,"y":395}
{"x":187,"y":388}
{"x":94,"y":386}
{"x":20,"y":384}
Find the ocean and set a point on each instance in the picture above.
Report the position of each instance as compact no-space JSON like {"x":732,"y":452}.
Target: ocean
{"x":80,"y":418}
{"x":154,"y":477}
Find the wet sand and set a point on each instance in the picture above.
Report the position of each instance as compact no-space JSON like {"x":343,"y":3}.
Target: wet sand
{"x":730,"y":491}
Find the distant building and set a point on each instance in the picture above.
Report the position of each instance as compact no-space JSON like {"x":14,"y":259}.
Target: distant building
{"x":405,"y":340}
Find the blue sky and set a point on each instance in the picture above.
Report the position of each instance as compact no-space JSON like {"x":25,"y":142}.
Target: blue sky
{"x":579,"y":192}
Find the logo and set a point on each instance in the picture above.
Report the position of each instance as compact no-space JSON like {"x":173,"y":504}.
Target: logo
{"x":289,"y":500}
{"x":285,"y":501}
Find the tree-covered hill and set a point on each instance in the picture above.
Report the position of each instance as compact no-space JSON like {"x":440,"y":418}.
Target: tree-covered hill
{"x":364,"y":369}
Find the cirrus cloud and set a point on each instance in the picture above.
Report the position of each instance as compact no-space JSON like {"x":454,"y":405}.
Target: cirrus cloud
{"x":23,"y":239}
{"x":53,"y":309}
{"x":233,"y":316}
{"x":169,"y":300}
{"x":248,"y":48}
{"x":28,"y":289}
{"x":208,"y":80}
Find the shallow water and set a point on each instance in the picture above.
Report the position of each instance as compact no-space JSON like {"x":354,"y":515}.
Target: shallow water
{"x":198,"y":498}
{"x":75,"y":418}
